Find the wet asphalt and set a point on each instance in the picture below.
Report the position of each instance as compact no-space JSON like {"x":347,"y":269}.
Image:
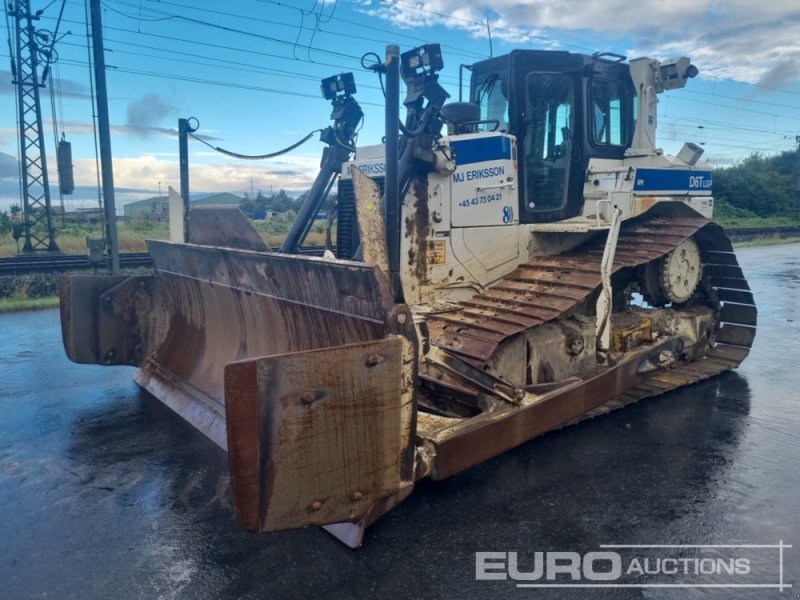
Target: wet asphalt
{"x":105,"y":493}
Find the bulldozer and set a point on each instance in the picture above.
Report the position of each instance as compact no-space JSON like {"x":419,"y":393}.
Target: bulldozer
{"x":502,"y":267}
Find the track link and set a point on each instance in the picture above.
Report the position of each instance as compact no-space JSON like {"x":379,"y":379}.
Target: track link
{"x":547,"y":289}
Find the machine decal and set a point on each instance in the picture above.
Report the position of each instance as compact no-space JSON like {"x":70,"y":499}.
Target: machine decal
{"x":482,"y":199}
{"x":473,"y":174}
{"x":481,"y":149}
{"x":672,"y":179}
{"x":484,"y":180}
{"x":373,"y":169}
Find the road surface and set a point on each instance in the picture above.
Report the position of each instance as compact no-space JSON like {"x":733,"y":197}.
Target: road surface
{"x":105,"y":493}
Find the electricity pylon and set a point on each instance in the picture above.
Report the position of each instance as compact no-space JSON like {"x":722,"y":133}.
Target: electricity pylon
{"x":30,"y":65}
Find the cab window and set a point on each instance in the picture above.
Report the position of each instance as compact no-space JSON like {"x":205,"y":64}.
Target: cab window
{"x":492,"y":97}
{"x":608,"y":107}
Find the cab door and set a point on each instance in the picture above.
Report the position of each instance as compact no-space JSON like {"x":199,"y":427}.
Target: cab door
{"x":553,"y":160}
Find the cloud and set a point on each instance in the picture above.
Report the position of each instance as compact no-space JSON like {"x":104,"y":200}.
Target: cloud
{"x":729,"y":39}
{"x":6,"y":87}
{"x":68,"y":88}
{"x":138,"y":178}
{"x":9,"y":166}
{"x":721,"y":161}
{"x":780,"y":74}
{"x":85,"y":128}
{"x":72,"y":89}
{"x":144,"y":173}
{"x":144,"y":114}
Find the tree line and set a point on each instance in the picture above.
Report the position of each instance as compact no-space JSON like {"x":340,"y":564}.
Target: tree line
{"x":767,"y":186}
{"x":258,"y":206}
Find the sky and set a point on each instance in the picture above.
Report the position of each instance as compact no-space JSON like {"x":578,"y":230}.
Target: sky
{"x":249,"y":72}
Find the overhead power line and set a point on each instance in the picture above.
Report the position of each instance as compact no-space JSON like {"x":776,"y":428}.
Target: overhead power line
{"x":256,"y":156}
{"x":322,"y":50}
{"x":208,"y":61}
{"x":226,"y":84}
{"x":235,"y":30}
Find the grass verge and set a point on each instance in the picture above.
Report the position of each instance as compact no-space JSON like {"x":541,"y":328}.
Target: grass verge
{"x":766,"y":241}
{"x":17,"y":304}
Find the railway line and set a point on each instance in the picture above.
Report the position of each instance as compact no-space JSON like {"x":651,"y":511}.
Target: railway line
{"x":46,"y":263}
{"x":60,"y":263}
{"x":741,"y":234}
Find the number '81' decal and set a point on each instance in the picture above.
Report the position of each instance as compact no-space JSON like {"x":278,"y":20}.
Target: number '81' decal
{"x":508,"y":214}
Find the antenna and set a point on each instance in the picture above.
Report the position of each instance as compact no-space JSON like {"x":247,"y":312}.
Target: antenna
{"x":489,"y":33}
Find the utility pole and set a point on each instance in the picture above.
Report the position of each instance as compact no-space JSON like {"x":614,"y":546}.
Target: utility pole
{"x":104,"y":134}
{"x":185,"y":127}
{"x":30,"y":58}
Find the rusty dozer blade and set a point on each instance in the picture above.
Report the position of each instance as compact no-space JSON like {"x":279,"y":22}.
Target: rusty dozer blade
{"x":317,"y":437}
{"x":288,"y":328}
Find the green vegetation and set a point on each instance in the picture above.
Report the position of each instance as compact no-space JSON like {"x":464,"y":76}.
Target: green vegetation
{"x":15,"y":304}
{"x":731,"y":216}
{"x":258,"y":207}
{"x":758,"y":191}
{"x":766,"y":241}
{"x":71,"y":237}
{"x":26,"y":292}
{"x":5,"y":223}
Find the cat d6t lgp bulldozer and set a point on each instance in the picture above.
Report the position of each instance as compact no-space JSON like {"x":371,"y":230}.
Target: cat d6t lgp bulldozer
{"x":502,"y":267}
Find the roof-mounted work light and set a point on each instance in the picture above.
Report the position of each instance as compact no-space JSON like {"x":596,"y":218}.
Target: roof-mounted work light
{"x":673,"y":73}
{"x":343,"y":83}
{"x":421,"y":61}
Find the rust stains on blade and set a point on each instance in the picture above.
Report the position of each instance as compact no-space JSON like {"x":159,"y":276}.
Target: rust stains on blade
{"x":80,"y":305}
{"x":106,"y":320}
{"x":330,"y":431}
{"x":244,"y":428}
{"x":220,"y":305}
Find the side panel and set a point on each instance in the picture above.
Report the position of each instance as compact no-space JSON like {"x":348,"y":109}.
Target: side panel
{"x":484,"y":184}
{"x":105,"y":320}
{"x":319,"y":437}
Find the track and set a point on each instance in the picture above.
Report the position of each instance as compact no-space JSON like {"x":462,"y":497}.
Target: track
{"x":549,"y":288}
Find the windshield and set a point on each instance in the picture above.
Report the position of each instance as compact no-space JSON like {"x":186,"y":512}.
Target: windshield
{"x":491,"y":96}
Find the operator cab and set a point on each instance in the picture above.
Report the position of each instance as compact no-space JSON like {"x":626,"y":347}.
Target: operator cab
{"x":564,"y":109}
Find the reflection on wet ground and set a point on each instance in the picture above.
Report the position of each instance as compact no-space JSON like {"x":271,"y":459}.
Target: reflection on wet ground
{"x":105,"y":493}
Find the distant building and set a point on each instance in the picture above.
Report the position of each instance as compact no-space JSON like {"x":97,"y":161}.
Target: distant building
{"x":157,"y":207}
{"x":223,"y":198}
